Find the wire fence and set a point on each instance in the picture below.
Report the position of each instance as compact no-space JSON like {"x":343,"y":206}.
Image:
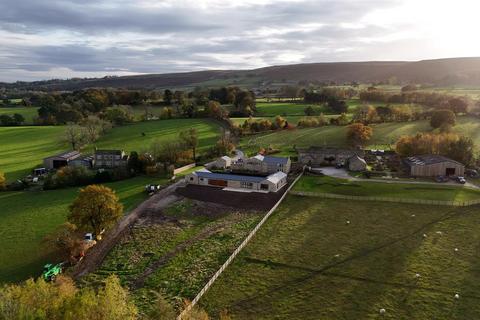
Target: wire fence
{"x":235,"y":253}
{"x":387,"y":199}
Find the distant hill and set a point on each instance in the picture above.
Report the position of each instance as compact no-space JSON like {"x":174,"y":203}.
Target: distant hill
{"x":452,"y":71}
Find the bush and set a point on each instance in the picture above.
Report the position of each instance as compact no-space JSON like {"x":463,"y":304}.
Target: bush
{"x":69,"y":177}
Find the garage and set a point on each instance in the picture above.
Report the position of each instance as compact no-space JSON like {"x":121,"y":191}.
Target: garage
{"x":218,"y":183}
{"x":434,"y":165}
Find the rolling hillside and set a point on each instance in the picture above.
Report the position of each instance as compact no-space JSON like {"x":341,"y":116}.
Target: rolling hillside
{"x":453,"y":71}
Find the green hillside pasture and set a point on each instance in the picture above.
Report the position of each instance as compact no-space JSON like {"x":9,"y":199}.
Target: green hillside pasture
{"x":130,"y":138}
{"x":26,"y":217}
{"x":27,"y":112}
{"x":384,"y":189}
{"x":23,"y":148}
{"x":384,"y":135}
{"x":272,"y":109}
{"x":306,"y":262}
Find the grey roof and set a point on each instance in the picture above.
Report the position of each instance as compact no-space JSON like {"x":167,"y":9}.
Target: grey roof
{"x":117,"y":152}
{"x":275,"y":160}
{"x":428,"y":159}
{"x":66,"y":155}
{"x":234,"y":177}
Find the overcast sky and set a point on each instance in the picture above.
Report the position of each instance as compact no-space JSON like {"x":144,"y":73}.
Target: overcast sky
{"x":44,"y":39}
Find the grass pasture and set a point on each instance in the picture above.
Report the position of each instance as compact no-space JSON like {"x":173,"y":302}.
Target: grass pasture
{"x":307,"y":263}
{"x":192,"y":241}
{"x":27,"y":112}
{"x":383,"y":189}
{"x":272,"y":109}
{"x":23,"y":148}
{"x":27,"y":217}
{"x":384,"y":135}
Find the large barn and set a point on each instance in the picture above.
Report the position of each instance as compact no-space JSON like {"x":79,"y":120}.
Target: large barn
{"x":434,"y":165}
{"x":271,"y":183}
{"x":60,"y":160}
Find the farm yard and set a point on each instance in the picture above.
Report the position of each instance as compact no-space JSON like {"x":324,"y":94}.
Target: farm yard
{"x":23,"y":148}
{"x":307,"y":262}
{"x":177,"y":250}
{"x":27,"y":217}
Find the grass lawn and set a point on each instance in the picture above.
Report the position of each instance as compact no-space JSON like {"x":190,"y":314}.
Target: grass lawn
{"x":26,"y":217}
{"x":192,"y":240}
{"x":383,"y":189}
{"x":27,"y":112}
{"x":384,"y":135}
{"x":23,"y":148}
{"x":307,"y":263}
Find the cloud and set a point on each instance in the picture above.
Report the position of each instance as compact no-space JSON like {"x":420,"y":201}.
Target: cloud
{"x":67,"y":38}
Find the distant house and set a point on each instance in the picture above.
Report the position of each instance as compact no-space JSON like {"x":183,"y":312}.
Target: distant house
{"x":60,"y":160}
{"x":356,"y":163}
{"x":221,"y":163}
{"x":110,"y":159}
{"x":323,"y":156}
{"x":271,"y":183}
{"x":82,"y":161}
{"x":433,"y":165}
{"x":261,"y":165}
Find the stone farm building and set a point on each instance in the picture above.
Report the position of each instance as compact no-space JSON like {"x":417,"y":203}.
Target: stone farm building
{"x":433,"y":165}
{"x":60,"y":160}
{"x":261,"y":165}
{"x":110,"y":159}
{"x":323,"y":156}
{"x":356,"y":163}
{"x":271,"y":183}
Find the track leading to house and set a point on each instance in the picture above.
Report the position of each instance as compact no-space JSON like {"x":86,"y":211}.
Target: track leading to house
{"x":95,"y":256}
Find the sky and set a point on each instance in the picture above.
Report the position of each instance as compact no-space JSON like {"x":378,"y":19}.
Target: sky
{"x":47,"y":39}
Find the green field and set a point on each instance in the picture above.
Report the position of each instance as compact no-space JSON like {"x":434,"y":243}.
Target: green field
{"x":384,"y":135}
{"x":307,"y":263}
{"x":272,"y":109}
{"x":192,"y":239}
{"x":26,"y":217}
{"x":27,"y":112}
{"x":383,"y":189}
{"x":23,"y":148}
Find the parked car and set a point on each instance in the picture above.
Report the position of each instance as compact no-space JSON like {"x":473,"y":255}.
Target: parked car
{"x":461,"y":180}
{"x":441,"y":179}
{"x":472,"y":173}
{"x":152,"y":188}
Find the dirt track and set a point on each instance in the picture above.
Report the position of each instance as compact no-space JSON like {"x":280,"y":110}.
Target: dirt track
{"x":97,"y":254}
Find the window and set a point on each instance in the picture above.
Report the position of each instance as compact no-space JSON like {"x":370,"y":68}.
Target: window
{"x":246,"y":185}
{"x":264,"y":186}
{"x":191,"y":178}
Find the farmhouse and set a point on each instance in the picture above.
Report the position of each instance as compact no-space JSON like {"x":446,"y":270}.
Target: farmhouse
{"x":433,"y":165}
{"x":320,"y":156}
{"x":82,"y":161}
{"x":60,"y":160}
{"x":271,"y":183}
{"x":261,"y":165}
{"x":221,"y":163}
{"x":110,"y":159}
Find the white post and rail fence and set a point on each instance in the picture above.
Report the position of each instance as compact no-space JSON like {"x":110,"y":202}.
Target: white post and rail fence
{"x":235,"y":253}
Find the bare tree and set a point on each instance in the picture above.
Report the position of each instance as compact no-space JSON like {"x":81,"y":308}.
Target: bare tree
{"x":75,"y":136}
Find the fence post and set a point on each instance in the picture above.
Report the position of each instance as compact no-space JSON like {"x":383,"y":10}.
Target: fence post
{"x":235,"y":252}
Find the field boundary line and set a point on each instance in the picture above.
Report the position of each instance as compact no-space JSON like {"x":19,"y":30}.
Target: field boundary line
{"x":387,"y":199}
{"x":236,"y":252}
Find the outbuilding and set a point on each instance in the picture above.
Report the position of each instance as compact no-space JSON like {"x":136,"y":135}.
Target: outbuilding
{"x":271,"y":183}
{"x":357,"y":163}
{"x":60,"y":160}
{"x":433,"y":165}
